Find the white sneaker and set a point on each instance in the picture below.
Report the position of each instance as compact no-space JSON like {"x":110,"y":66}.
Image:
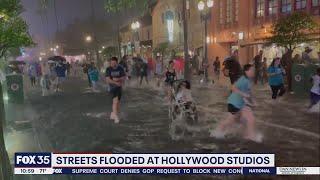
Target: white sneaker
{"x":116,"y":119}
{"x":112,"y":116}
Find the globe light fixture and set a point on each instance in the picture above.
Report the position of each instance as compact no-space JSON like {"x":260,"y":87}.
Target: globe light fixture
{"x":135,"y":25}
{"x":57,"y":46}
{"x":201,"y":5}
{"x":210,"y":3}
{"x":88,"y":38}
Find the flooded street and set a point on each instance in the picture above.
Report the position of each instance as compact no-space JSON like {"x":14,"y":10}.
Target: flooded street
{"x":78,"y":121}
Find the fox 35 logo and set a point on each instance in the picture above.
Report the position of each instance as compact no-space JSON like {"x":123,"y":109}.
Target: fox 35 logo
{"x":32,"y":159}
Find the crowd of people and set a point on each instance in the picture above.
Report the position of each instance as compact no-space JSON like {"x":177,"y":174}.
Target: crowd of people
{"x":116,"y":73}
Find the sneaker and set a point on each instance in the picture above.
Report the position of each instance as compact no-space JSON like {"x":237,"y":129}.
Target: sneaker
{"x":112,"y":116}
{"x":258,"y":138}
{"x":116,"y":119}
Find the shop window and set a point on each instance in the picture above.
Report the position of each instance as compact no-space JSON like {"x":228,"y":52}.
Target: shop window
{"x":285,"y":6}
{"x":260,"y":8}
{"x":300,"y":4}
{"x":273,"y":7}
{"x":229,"y":11}
{"x":315,"y":3}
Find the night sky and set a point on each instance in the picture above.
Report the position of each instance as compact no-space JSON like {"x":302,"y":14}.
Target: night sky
{"x":67,"y":12}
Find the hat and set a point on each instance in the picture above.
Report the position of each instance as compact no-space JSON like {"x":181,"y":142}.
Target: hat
{"x":308,"y":49}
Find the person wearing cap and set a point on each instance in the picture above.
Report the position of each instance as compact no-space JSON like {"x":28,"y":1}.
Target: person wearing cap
{"x":305,"y":55}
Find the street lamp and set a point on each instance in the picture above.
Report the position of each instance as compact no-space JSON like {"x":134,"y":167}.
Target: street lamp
{"x":88,"y":38}
{"x":205,"y":9}
{"x":135,"y":26}
{"x":57,"y":46}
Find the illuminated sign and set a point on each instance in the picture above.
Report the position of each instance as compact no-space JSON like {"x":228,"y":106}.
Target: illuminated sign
{"x":169,"y":18}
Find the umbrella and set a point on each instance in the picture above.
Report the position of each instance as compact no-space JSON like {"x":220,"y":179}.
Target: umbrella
{"x":57,"y":58}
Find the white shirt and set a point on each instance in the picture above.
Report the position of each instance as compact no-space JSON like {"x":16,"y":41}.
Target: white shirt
{"x":184,"y":95}
{"x":316,"y":84}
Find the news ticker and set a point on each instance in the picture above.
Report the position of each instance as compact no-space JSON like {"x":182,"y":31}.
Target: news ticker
{"x":153,"y":164}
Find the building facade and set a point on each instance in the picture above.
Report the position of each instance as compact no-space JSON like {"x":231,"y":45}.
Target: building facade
{"x":167,"y":21}
{"x":138,"y":40}
{"x":245,"y":25}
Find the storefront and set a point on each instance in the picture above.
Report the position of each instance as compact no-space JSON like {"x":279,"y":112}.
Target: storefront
{"x":273,"y":51}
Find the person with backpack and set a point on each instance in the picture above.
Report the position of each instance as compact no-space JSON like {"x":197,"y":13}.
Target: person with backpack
{"x":232,"y":67}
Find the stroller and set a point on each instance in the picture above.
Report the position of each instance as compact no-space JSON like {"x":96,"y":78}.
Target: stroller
{"x":182,"y":114}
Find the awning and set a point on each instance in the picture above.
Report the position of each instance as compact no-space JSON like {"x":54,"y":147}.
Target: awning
{"x":252,"y":43}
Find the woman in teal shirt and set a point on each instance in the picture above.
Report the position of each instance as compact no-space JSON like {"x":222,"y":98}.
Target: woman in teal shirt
{"x":275,"y":74}
{"x":238,"y":106}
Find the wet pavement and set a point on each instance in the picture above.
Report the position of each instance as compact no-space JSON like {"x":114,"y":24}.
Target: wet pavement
{"x":77,"y":121}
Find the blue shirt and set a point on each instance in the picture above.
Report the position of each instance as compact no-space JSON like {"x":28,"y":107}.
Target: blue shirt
{"x":244,"y":85}
{"x":277,"y":79}
{"x":117,"y":72}
{"x":93,"y":74}
{"x":61,"y":70}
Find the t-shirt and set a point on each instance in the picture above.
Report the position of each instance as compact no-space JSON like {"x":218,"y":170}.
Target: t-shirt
{"x":61,"y":70}
{"x":170,"y":77}
{"x":316,"y":84}
{"x":93,"y":74}
{"x":277,"y":79}
{"x":244,"y":85}
{"x":144,"y":69}
{"x":117,"y":72}
{"x":233,"y":66}
{"x":158,"y":68}
{"x":257,"y":62}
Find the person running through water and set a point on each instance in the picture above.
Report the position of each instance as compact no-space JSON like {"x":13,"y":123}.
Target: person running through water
{"x":171,"y":76}
{"x":94,"y":77}
{"x":32,"y":72}
{"x":61,"y":75}
{"x":238,"y":108}
{"x":315,"y":90}
{"x":158,"y":70}
{"x":216,"y":67}
{"x":115,"y":76}
{"x":275,"y":73}
{"x":143,"y":71}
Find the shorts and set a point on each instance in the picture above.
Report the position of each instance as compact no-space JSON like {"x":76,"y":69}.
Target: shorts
{"x":116,"y":92}
{"x":169,"y":84}
{"x":315,"y":98}
{"x":61,"y":80}
{"x":232,"y":109}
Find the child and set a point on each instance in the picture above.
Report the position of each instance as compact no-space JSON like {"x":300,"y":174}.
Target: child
{"x":184,"y":93}
{"x":237,"y":107}
{"x":94,"y":77}
{"x":315,"y":90}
